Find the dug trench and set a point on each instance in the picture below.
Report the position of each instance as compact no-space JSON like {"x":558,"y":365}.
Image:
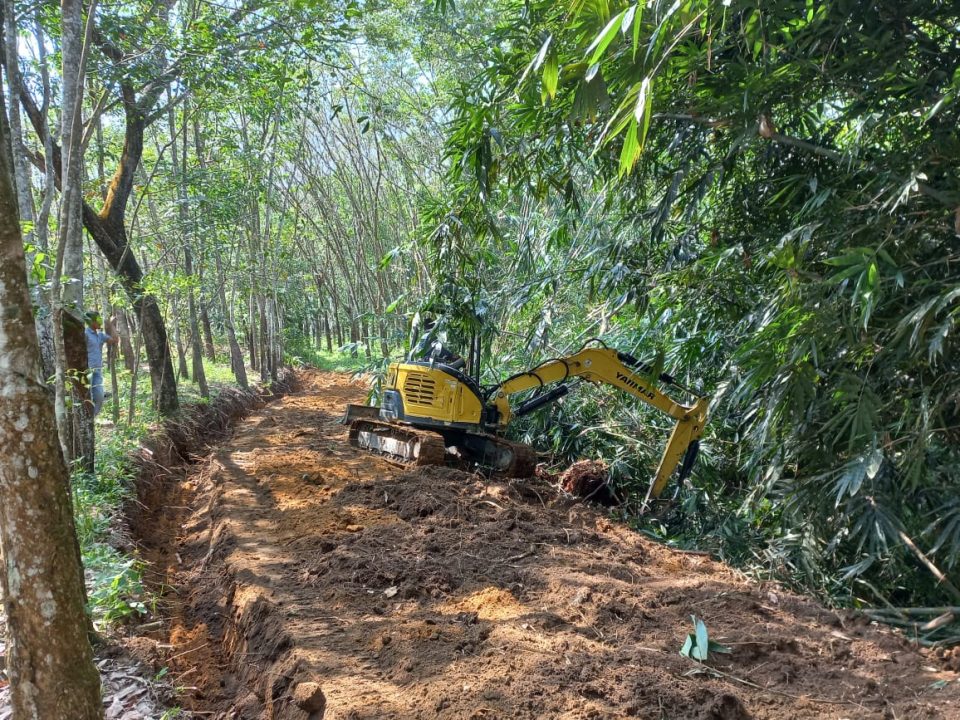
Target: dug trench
{"x":300,"y":579}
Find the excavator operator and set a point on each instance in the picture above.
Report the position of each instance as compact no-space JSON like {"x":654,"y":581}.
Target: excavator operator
{"x":431,"y":347}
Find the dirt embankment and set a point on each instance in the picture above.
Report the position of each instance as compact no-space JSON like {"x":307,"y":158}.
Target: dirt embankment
{"x":306,"y":580}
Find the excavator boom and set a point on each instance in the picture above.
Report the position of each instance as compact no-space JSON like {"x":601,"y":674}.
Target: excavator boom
{"x":604,"y":365}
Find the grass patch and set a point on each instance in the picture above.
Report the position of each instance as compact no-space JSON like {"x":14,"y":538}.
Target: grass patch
{"x":302,"y":352}
{"x":114,"y":577}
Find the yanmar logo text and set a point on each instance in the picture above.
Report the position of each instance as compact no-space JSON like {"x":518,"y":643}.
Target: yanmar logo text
{"x":631,"y":383}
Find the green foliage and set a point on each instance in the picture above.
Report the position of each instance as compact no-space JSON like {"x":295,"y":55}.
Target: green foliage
{"x":117,"y":590}
{"x":301,"y":352}
{"x":762,"y":200}
{"x":766,"y":198}
{"x":113,"y":578}
{"x":698,"y":644}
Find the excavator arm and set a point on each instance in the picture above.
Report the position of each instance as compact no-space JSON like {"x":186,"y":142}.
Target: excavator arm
{"x":604,"y":365}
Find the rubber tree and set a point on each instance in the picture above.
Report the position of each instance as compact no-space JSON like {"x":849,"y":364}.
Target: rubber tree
{"x":179,"y":172}
{"x":143,"y":72}
{"x":31,"y":237}
{"x":49,"y":658}
{"x":20,"y":165}
{"x":108,"y":229}
{"x":76,"y":421}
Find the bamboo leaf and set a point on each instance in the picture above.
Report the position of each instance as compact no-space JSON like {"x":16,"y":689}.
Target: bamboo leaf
{"x":551,"y":75}
{"x":628,"y":15}
{"x":642,"y":107}
{"x":636,"y":29}
{"x":603,"y":40}
{"x":630,"y":150}
{"x":703,"y":641}
{"x":537,"y":61}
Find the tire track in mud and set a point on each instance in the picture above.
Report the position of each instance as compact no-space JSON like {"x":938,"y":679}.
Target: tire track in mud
{"x":312,"y":581}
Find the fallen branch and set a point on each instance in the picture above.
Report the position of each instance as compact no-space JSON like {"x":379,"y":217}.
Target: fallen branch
{"x":937,"y":573}
{"x":915,"y":621}
{"x":187,"y":652}
{"x":938,"y":622}
{"x":914,"y":612}
{"x":748,"y":683}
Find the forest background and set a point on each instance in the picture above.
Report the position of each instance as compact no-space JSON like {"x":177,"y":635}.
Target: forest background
{"x":762,"y":199}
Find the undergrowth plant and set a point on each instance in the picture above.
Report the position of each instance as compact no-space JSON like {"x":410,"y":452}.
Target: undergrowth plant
{"x":114,"y":572}
{"x":301,"y":351}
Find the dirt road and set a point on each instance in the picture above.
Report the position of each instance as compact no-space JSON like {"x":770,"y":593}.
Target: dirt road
{"x":313,"y":581}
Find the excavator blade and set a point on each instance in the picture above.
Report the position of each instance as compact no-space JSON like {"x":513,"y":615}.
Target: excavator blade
{"x":355,"y":412}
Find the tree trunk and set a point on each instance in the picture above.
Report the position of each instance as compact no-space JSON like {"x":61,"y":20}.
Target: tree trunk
{"x":126,"y":347}
{"x":80,"y":436}
{"x":264,"y":340}
{"x":182,"y":369}
{"x":354,"y":333}
{"x":20,"y":165}
{"x":278,"y":348}
{"x":186,"y":225}
{"x":273,"y":336}
{"x":326,"y":332}
{"x":252,"y":342}
{"x":199,"y":376}
{"x":48,"y":354}
{"x":44,"y":320}
{"x":338,"y":328}
{"x":365,"y":325}
{"x":75,"y":421}
{"x":114,"y":382}
{"x":384,"y":344}
{"x":236,"y":354}
{"x":71,"y":173}
{"x":49,"y":658}
{"x":108,"y":312}
{"x":208,"y":347}
{"x":132,"y":406}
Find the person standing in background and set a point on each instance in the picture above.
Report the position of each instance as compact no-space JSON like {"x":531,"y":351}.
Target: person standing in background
{"x":96,"y":338}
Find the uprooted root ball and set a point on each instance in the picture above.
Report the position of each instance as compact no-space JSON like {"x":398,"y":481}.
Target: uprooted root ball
{"x":590,"y":480}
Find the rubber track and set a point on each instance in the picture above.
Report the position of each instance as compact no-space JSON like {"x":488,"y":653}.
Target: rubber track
{"x":524,"y":459}
{"x":433,"y":449}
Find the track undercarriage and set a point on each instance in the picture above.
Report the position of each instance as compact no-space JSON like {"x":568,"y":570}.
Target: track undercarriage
{"x":407,"y":445}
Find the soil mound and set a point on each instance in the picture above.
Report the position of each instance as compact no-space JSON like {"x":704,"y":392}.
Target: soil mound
{"x":315,"y":581}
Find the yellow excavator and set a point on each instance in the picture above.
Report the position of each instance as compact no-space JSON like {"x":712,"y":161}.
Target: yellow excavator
{"x":433,"y":413}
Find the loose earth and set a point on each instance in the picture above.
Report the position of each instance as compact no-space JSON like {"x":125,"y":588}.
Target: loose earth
{"x":304,"y":579}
